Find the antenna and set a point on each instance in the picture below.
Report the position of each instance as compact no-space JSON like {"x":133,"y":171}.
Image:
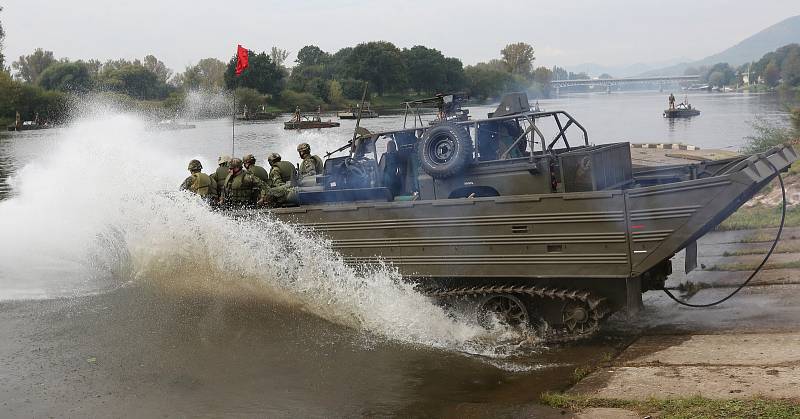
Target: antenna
{"x":358,"y":120}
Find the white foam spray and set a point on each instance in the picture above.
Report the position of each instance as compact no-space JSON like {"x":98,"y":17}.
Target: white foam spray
{"x":95,"y":212}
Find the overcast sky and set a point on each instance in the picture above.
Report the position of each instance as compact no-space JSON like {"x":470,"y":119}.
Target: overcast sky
{"x":562,"y":32}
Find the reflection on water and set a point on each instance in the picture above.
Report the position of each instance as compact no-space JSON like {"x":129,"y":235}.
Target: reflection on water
{"x":143,"y":352}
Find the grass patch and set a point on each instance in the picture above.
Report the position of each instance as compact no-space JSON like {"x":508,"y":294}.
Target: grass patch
{"x":581,"y":372}
{"x":760,"y":217}
{"x":765,"y":237}
{"x":750,"y":266}
{"x":781,"y":248}
{"x":794,"y":168}
{"x":690,"y":407}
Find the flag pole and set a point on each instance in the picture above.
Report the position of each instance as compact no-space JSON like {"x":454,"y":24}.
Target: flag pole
{"x":233,"y":126}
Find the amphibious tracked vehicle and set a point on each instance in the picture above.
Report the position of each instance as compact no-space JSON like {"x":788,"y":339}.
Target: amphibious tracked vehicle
{"x":533,"y":228}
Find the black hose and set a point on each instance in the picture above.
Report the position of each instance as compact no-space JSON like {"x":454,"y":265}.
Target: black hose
{"x":766,"y":257}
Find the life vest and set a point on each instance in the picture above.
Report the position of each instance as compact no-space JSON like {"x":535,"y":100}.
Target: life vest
{"x":201,"y":184}
{"x":318,"y":165}
{"x":240,"y":189}
{"x":288,"y":172}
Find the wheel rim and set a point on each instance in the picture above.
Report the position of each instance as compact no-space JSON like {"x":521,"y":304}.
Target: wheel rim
{"x":507,"y":309}
{"x":577,"y":318}
{"x":442,"y":149}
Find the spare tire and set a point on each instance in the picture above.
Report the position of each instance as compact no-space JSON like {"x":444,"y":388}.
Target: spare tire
{"x":445,"y":150}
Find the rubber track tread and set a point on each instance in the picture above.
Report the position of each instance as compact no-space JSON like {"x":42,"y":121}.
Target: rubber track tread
{"x":597,"y":305}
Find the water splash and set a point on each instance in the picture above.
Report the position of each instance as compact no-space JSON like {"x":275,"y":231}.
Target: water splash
{"x":98,"y":210}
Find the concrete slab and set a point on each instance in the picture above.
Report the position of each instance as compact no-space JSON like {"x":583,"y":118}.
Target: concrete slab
{"x":723,"y":382}
{"x":759,"y":309}
{"x":607,"y":413}
{"x":759,"y":349}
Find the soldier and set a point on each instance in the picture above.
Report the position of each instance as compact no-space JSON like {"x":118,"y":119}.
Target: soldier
{"x":242,"y":189}
{"x":671,"y":101}
{"x":222,"y":171}
{"x":281,"y":172}
{"x":249,"y":162}
{"x":200,"y":183}
{"x":310,"y":165}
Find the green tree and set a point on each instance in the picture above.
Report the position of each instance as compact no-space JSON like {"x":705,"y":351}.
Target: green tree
{"x":790,"y":68}
{"x":454,"y":78}
{"x":306,"y":101}
{"x":542,"y":77}
{"x":335,"y":93}
{"x":352,"y":88}
{"x":158,"y":68}
{"x":134,"y":80}
{"x":425,"y":69}
{"x":30,"y":101}
{"x":29,"y":67}
{"x":251,"y":98}
{"x":518,"y":58}
{"x":278,"y":56}
{"x":261,"y":74}
{"x":2,"y":38}
{"x":312,"y":55}
{"x":772,"y":74}
{"x":379,"y":63}
{"x":485,"y":81}
{"x":303,"y":74}
{"x":66,"y":76}
{"x":207,"y":74}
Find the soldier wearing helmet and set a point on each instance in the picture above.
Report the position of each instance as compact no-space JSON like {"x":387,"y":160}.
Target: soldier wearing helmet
{"x":249,"y":162}
{"x":310,"y":165}
{"x":221,"y":173}
{"x":281,"y":172}
{"x":241,"y":188}
{"x":283,"y":178}
{"x":200,"y":183}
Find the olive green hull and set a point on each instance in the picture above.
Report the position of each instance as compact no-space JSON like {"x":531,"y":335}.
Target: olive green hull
{"x":606,"y":238}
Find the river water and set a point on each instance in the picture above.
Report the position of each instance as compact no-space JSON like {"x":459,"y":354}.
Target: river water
{"x":119,"y":297}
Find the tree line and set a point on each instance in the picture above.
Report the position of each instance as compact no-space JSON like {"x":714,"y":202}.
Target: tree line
{"x":41,"y":82}
{"x":776,"y":69}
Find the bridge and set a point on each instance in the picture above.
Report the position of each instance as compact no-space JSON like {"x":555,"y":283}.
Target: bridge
{"x":661,"y":80}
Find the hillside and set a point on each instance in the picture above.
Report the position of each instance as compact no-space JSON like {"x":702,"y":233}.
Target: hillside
{"x":753,"y":48}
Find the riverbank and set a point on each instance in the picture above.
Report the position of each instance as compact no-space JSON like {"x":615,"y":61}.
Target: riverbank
{"x":738,"y":359}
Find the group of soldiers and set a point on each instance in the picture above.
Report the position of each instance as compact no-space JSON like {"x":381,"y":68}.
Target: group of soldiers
{"x":239,"y":183}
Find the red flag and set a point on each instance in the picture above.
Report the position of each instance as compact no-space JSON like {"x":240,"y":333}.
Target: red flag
{"x":241,"y":59}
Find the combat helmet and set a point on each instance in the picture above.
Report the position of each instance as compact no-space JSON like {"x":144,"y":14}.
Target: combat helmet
{"x":273,"y":158}
{"x":195,"y":165}
{"x":303,"y":147}
{"x":249,"y":159}
{"x":224,"y":159}
{"x":234,"y":162}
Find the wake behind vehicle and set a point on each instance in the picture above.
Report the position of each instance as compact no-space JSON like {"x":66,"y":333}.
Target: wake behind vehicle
{"x":519,"y":215}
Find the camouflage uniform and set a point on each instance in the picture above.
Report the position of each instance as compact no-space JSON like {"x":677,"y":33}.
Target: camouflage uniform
{"x":222,"y":171}
{"x":257,"y":171}
{"x":311,"y":165}
{"x":243,"y":188}
{"x":282,"y":179}
{"x":200,"y":183}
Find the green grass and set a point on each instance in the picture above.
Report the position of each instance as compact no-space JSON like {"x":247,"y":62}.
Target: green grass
{"x":794,"y":168}
{"x":750,"y":266}
{"x":760,"y":217}
{"x":765,"y":236}
{"x":689,"y":407}
{"x":782,"y":248}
